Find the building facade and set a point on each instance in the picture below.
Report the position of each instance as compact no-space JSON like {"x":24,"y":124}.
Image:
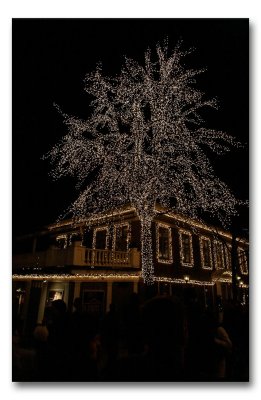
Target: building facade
{"x":99,"y":261}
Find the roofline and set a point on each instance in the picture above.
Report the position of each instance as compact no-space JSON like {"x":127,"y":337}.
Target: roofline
{"x":159,"y":209}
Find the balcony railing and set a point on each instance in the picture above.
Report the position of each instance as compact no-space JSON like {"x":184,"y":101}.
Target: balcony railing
{"x":100,"y":258}
{"x":77,"y":255}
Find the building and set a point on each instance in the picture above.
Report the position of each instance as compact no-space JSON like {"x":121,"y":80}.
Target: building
{"x":99,"y":261}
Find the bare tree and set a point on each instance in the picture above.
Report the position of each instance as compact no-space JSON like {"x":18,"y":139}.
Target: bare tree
{"x":144,"y":143}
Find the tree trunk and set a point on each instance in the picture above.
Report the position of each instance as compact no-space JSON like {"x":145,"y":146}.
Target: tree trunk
{"x":146,"y":250}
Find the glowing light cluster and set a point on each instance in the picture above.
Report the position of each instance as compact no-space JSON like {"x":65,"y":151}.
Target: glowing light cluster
{"x":169,"y":260}
{"x":144,"y":143}
{"x":70,"y":277}
{"x":182,"y":281}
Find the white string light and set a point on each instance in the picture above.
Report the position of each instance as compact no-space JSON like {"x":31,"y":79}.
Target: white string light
{"x":100,"y":229}
{"x":144,"y":143}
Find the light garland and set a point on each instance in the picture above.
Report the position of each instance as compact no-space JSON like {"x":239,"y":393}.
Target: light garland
{"x":203,"y":239}
{"x":76,"y":277}
{"x":181,"y":249}
{"x":169,"y":260}
{"x":109,"y":276}
{"x":182,"y":281}
{"x":145,"y":141}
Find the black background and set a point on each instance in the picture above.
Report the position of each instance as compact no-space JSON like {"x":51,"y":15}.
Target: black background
{"x":49,"y":61}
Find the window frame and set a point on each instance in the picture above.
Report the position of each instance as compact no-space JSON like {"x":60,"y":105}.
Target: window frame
{"x":62,"y":237}
{"x":99,"y":229}
{"x":207,"y":239}
{"x":170,"y":259}
{"x":181,"y":252}
{"x":228,"y":256}
{"x":216,"y":242}
{"x":114,"y":238}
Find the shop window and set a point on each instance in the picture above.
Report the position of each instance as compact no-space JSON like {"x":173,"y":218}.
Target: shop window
{"x":164,"y":244}
{"x":186,"y":250}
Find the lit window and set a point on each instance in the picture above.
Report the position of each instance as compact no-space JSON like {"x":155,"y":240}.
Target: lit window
{"x":242,"y":259}
{"x":164,"y":244}
{"x":219,"y":255}
{"x":186,"y":250}
{"x":205,"y":253}
{"x":121,"y":237}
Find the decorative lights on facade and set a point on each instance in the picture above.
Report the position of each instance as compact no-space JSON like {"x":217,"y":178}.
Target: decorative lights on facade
{"x":205,"y":252}
{"x":159,"y":255}
{"x":228,"y":256}
{"x":118,"y":227}
{"x":186,"y":248}
{"x":100,"y":229}
{"x":219,"y":254}
{"x":136,"y":165}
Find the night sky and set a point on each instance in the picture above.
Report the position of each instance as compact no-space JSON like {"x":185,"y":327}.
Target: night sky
{"x":50,"y":59}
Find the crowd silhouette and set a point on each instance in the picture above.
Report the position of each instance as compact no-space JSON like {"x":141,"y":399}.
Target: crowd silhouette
{"x":162,"y":339}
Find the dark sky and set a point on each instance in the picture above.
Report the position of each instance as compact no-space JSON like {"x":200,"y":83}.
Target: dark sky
{"x":49,"y":62}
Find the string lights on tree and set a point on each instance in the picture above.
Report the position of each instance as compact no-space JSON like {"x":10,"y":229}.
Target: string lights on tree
{"x":144,"y":144}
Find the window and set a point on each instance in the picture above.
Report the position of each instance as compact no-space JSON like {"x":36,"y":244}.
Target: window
{"x":228,"y":258}
{"x":164,"y":244}
{"x":219,"y":255}
{"x":186,"y":250}
{"x":121,"y":237}
{"x":74,"y":237}
{"x":242,"y":259}
{"x":100,"y":238}
{"x":61,"y":241}
{"x":205,"y":253}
